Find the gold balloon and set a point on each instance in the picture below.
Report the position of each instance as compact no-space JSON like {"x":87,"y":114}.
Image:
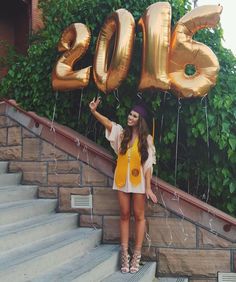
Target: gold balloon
{"x":75,"y":40}
{"x":185,"y":51}
{"x":155,"y":24}
{"x":119,"y":26}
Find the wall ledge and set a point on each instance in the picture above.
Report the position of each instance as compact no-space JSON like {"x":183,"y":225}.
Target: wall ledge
{"x":75,"y":144}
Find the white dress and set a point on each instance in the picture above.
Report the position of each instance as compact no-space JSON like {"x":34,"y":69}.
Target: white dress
{"x":115,"y":138}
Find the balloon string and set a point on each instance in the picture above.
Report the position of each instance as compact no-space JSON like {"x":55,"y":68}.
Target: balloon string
{"x":208,"y":146}
{"x":80,"y":103}
{"x":116,"y":94}
{"x":52,"y":129}
{"x":177,"y":139}
{"x":153,"y":129}
{"x":166,"y":220}
{"x":162,"y":118}
{"x":98,"y":96}
{"x":95,"y":127}
{"x":91,"y":216}
{"x":198,"y":181}
{"x":54,"y":112}
{"x":88,"y":128}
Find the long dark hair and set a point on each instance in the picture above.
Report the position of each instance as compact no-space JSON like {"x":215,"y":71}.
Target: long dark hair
{"x":142,"y":139}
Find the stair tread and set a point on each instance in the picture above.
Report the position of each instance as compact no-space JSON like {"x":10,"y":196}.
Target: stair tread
{"x":33,"y":223}
{"x":79,"y":265}
{"x":129,"y":277}
{"x":10,"y":173}
{"x":17,"y":204}
{"x":17,"y":187}
{"x":40,"y":248}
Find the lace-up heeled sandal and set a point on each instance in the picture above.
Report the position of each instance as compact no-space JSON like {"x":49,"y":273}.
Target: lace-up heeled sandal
{"x":125,"y":259}
{"x":135,"y":262}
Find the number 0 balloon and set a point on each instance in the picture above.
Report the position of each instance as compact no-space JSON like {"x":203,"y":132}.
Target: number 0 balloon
{"x":120,"y":25}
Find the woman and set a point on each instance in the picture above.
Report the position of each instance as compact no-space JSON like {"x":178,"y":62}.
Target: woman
{"x":132,"y":179}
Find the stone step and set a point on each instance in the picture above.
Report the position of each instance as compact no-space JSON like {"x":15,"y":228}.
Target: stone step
{"x":180,"y":279}
{"x":93,"y":266}
{"x":37,"y":228}
{"x":3,"y":167}
{"x":21,"y":210}
{"x":7,"y":179}
{"x":146,"y":273}
{"x":25,"y":263}
{"x":17,"y":193}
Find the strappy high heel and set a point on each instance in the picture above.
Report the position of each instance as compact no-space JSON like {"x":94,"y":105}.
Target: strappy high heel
{"x":135,"y":262}
{"x":124,"y":259}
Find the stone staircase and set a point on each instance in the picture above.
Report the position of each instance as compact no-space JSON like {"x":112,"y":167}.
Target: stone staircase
{"x":37,"y":244}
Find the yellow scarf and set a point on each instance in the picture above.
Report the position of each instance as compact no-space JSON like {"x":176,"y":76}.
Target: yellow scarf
{"x":132,"y":156}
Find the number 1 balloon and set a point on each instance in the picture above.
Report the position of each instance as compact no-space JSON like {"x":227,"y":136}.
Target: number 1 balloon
{"x":155,"y":24}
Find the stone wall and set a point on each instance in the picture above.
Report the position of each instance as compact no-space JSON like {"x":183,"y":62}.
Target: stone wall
{"x":181,"y":247}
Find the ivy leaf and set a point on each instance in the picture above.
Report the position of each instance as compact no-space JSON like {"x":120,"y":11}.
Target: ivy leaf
{"x":232,"y":143}
{"x":230,"y":207}
{"x":232,"y":187}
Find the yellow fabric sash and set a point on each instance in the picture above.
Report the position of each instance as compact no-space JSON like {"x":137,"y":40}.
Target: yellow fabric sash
{"x":132,"y":156}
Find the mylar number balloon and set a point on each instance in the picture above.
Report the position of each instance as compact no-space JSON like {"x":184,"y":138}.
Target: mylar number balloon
{"x":164,"y":58}
{"x":155,"y":24}
{"x":75,"y":41}
{"x":120,"y":25}
{"x":184,"y":50}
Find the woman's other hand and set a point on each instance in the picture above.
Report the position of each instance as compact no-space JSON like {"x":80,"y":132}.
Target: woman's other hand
{"x":151,"y":195}
{"x":94,"y":104}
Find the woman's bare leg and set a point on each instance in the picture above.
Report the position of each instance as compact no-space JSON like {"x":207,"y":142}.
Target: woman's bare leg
{"x":124,"y":202}
{"x":139,"y":215}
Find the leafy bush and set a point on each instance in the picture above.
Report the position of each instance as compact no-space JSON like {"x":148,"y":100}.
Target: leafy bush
{"x":207,"y":135}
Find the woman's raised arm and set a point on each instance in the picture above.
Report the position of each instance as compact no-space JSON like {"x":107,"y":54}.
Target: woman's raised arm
{"x":101,"y":118}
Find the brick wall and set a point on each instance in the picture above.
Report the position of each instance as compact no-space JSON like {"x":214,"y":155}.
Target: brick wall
{"x":36,"y":16}
{"x":181,"y":247}
{"x":15,"y":25}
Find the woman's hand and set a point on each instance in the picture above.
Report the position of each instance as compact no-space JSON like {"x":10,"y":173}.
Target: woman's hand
{"x":148,"y":190}
{"x":94,"y":104}
{"x":151,"y":195}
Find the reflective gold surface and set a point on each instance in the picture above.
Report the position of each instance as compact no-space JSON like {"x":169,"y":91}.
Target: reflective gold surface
{"x":184,"y":50}
{"x":120,"y":27}
{"x":155,"y":24}
{"x":74,"y":41}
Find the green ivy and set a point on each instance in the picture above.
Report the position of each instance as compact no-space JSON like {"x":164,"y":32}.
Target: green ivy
{"x":207,"y":133}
